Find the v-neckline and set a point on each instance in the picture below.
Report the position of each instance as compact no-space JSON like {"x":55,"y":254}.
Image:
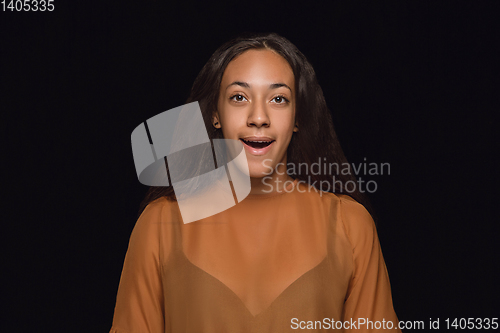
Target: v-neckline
{"x":240,"y":301}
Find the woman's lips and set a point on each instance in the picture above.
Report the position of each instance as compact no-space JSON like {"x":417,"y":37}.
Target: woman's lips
{"x":256,"y":151}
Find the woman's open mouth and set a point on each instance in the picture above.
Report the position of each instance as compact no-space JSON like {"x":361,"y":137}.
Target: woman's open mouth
{"x":257,"y":147}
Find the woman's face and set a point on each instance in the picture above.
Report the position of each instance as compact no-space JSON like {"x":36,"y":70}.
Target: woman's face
{"x":257,"y":106}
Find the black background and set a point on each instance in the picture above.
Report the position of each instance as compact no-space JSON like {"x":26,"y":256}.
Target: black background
{"x":414,"y":84}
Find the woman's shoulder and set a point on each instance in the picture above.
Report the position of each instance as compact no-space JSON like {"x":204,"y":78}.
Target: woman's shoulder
{"x":352,"y":207}
{"x":160,"y":203}
{"x":355,"y":218}
{"x":341,"y":206}
{"x":158,"y":211}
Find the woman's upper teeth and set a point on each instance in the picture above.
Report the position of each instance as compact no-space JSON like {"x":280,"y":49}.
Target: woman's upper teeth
{"x":260,"y":141}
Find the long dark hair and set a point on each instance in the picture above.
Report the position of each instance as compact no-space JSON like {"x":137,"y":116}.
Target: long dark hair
{"x":316,"y":140}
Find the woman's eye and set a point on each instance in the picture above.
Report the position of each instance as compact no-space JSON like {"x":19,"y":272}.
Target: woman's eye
{"x":238,"y":98}
{"x":280,"y":100}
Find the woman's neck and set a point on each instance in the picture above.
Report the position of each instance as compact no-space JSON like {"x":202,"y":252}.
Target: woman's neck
{"x":270,"y":184}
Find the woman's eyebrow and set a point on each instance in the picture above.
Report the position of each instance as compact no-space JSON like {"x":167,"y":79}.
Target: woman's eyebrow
{"x":279,"y":85}
{"x":239,"y":83}
{"x":271,"y":86}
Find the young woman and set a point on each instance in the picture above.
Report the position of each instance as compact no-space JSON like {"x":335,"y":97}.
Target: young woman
{"x":300,"y":252}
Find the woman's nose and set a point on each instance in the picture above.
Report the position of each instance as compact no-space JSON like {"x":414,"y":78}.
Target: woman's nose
{"x":258,"y":116}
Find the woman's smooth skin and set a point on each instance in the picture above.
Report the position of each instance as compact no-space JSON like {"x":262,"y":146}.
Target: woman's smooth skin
{"x":257,"y":102}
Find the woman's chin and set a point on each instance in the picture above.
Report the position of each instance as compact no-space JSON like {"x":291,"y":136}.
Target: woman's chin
{"x":259,"y":174}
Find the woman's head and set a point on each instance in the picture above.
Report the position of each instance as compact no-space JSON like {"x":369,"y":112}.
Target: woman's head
{"x":276,"y":68}
{"x":257,"y":106}
{"x":242,"y":70}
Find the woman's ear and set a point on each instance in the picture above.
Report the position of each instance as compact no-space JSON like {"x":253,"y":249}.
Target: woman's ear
{"x":296,"y":128}
{"x":215,"y":121}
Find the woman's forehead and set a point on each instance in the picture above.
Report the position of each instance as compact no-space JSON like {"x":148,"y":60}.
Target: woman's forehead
{"x":258,"y":68}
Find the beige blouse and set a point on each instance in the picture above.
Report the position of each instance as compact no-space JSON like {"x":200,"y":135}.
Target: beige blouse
{"x":277,"y":262}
